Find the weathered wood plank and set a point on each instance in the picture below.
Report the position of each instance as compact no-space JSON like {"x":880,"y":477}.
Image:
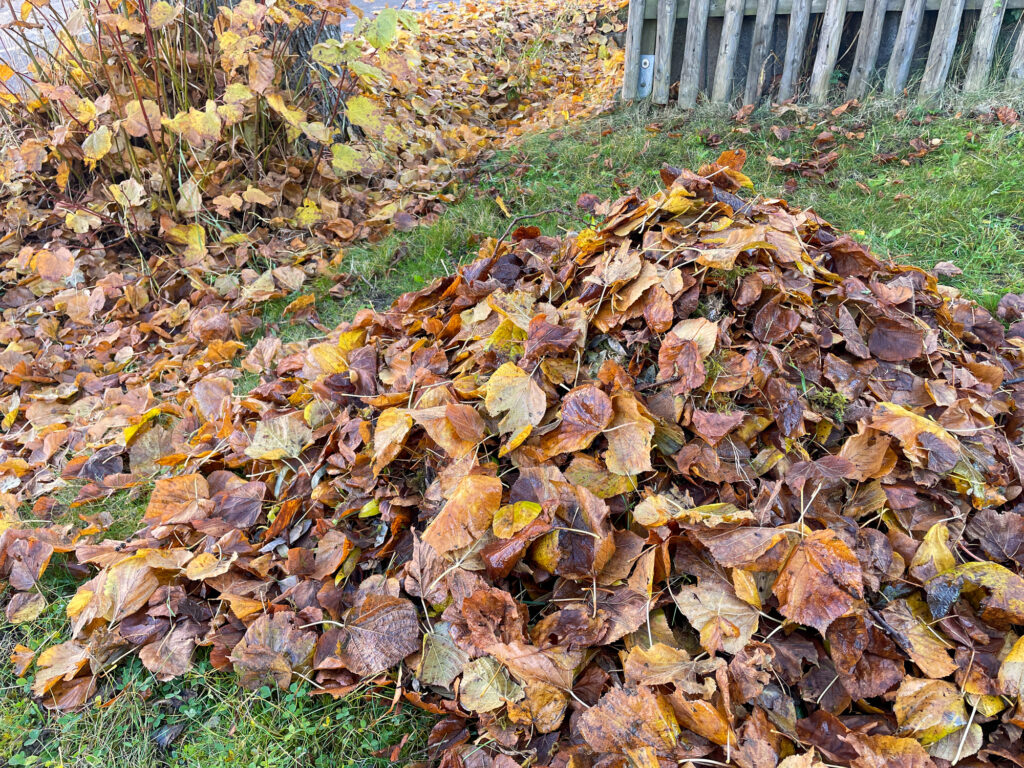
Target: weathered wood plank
{"x":717,"y":7}
{"x":727,"y":49}
{"x":940,"y":54}
{"x":903,"y":49}
{"x":764,"y":25}
{"x":869,"y":39}
{"x":828,"y":49}
{"x":696,"y":32}
{"x":984,"y":51}
{"x":663,"y":51}
{"x":799,"y":19}
{"x":1015,"y":74}
{"x":631,"y":67}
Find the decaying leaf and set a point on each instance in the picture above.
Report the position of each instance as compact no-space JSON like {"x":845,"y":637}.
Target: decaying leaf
{"x":707,"y":481}
{"x":725,"y":622}
{"x":466,"y":515}
{"x":273,"y":650}
{"x":820,"y":581}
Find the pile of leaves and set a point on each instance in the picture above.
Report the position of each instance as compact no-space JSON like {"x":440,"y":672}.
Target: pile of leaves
{"x":209,"y":130}
{"x":166,"y":171}
{"x":708,"y":484}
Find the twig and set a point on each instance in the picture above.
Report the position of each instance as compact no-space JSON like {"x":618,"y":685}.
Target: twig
{"x":658,"y":383}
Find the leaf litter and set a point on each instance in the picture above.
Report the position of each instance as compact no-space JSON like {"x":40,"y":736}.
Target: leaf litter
{"x":706,"y":482}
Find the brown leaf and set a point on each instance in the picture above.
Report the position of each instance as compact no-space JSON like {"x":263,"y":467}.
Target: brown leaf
{"x":895,"y":342}
{"x":629,"y":437}
{"x":640,"y":725}
{"x":725,"y":622}
{"x":466,"y":515}
{"x":171,"y":655}
{"x":820,"y":581}
{"x":586,"y":412}
{"x":378,"y":633}
{"x":273,"y":649}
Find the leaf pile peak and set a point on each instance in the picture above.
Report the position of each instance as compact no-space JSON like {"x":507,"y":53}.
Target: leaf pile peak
{"x":708,"y":482}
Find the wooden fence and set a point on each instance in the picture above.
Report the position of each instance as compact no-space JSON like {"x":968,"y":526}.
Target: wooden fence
{"x":794,"y":48}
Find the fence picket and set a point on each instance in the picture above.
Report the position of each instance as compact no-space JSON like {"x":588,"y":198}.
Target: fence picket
{"x":828,"y":49}
{"x":903,"y":50}
{"x":634,"y":32}
{"x":1015,"y":74}
{"x":663,"y":51}
{"x":696,"y":32}
{"x":984,"y":44}
{"x":717,"y":33}
{"x":869,"y":40}
{"x":799,"y":20}
{"x":732,"y":23}
{"x":764,"y":26}
{"x":940,"y":55}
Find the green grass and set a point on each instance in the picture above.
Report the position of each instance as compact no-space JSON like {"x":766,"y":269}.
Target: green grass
{"x":204,"y":719}
{"x":963,"y":202}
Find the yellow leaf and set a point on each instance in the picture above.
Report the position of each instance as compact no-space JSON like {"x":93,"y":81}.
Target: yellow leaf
{"x":511,"y":391}
{"x":132,"y":429}
{"x":364,"y":113}
{"x":97,"y":145}
{"x":85,"y":111}
{"x":928,"y":709}
{"x":199,"y":129}
{"x":512,"y":518}
{"x":291,"y":115}
{"x":207,"y":565}
{"x":933,"y":556}
{"x":162,"y":13}
{"x":307,"y":215}
{"x":345,"y":159}
{"x":82,"y":221}
{"x":257,"y":196}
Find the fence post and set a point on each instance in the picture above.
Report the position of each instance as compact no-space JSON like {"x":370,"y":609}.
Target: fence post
{"x":903,"y":49}
{"x":696,"y":32}
{"x":799,"y":19}
{"x":828,"y":49}
{"x":634,"y":30}
{"x":984,"y":44}
{"x":764,"y":25}
{"x":1015,"y":74}
{"x":663,"y":51}
{"x":732,"y":23}
{"x":870,"y":35}
{"x":947,"y":27}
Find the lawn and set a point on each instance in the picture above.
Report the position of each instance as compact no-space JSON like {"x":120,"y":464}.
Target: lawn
{"x":961,"y":200}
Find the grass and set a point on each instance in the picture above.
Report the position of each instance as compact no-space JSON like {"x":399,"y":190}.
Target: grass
{"x":206,"y":720}
{"x":203,"y":719}
{"x":962,"y":202}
